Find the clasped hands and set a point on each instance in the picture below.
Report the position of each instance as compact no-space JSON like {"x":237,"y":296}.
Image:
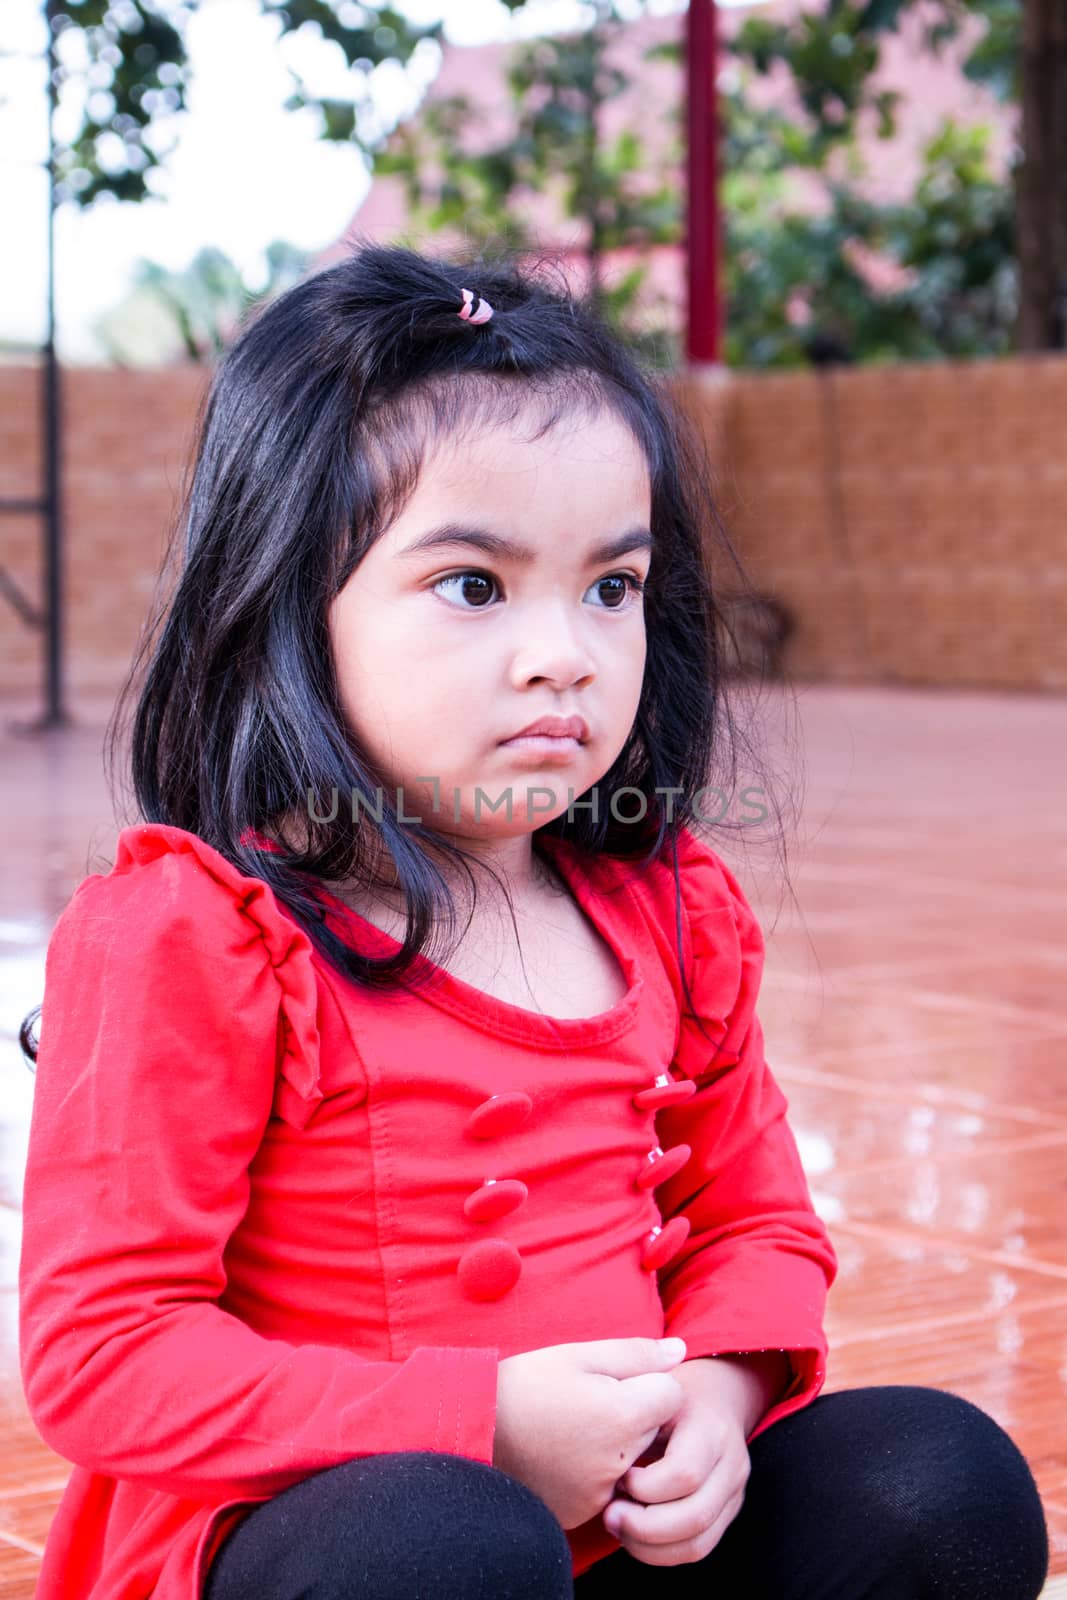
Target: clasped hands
{"x":677,"y":1508}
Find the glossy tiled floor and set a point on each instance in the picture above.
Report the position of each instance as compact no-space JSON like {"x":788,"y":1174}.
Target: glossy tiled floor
{"x":914,"y":1010}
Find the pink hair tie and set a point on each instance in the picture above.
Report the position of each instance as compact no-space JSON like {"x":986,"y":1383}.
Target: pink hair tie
{"x":483,"y":313}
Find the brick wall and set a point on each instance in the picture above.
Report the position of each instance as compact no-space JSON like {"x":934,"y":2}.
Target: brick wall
{"x":127,"y":435}
{"x":911,"y":518}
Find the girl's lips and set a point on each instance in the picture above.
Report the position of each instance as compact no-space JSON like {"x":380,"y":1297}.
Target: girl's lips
{"x":543,"y":744}
{"x":553,"y":727}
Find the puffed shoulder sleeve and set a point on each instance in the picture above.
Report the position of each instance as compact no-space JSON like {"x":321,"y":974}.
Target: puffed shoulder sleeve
{"x":178,"y":998}
{"x":757,"y":1263}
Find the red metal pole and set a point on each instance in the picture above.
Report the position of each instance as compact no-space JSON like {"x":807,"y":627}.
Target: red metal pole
{"x":704,"y":298}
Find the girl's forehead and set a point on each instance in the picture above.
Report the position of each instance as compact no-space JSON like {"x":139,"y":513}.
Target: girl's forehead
{"x":443,"y":457}
{"x":507,"y":449}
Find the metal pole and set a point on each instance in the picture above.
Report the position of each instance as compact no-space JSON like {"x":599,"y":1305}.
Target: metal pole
{"x":55,"y":715}
{"x":704,"y":307}
{"x":49,"y":502}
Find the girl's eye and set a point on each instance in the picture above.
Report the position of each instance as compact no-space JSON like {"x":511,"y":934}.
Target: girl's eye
{"x":629,"y":594}
{"x":473,"y":578}
{"x":626,"y":589}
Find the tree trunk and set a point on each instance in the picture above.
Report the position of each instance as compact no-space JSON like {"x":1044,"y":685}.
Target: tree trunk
{"x":1041,"y":191}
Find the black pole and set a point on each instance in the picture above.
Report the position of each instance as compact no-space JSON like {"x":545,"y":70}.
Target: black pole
{"x":49,"y":618}
{"x":55,"y":716}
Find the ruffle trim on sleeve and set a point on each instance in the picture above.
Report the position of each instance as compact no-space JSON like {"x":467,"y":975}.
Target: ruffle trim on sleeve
{"x":723,"y":951}
{"x":286,"y":949}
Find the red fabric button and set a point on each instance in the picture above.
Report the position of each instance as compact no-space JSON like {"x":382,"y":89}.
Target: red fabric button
{"x":500,"y":1114}
{"x":662,"y":1243}
{"x":664,"y":1092}
{"x":488,"y":1269}
{"x":495,"y":1198}
{"x":662,"y":1165}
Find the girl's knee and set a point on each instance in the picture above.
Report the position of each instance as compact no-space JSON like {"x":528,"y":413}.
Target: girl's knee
{"x":955,"y":1496}
{"x":501,"y":1533}
{"x":419,"y":1522}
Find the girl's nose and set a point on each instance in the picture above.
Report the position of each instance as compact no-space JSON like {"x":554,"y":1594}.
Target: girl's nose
{"x":552,"y":647}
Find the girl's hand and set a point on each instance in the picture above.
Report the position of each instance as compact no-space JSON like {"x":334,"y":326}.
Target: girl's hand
{"x":571,"y":1417}
{"x":683,"y":1502}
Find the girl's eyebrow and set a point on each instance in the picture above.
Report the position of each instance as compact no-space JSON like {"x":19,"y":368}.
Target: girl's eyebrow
{"x":494,"y":544}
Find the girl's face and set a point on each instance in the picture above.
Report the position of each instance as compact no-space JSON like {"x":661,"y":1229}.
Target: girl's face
{"x":517,"y":610}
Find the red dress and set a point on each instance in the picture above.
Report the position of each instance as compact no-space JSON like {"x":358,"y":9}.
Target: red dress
{"x":273,"y":1221}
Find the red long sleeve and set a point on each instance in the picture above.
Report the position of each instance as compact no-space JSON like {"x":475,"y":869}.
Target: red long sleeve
{"x":170,"y":993}
{"x":758,"y":1262}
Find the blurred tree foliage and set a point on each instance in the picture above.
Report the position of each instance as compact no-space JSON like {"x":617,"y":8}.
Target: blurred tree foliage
{"x":796,"y":283}
{"x":558,"y":87}
{"x":1021,"y":55}
{"x":129,"y":58}
{"x":804,"y":287}
{"x":194,"y":313}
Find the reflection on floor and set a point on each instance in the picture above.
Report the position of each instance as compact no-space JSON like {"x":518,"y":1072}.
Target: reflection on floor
{"x":913,"y":1012}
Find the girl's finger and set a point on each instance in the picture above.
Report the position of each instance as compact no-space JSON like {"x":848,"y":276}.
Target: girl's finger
{"x":653,"y":1451}
{"x":690,"y":1454}
{"x":686,"y":1547}
{"x":686,"y":1516}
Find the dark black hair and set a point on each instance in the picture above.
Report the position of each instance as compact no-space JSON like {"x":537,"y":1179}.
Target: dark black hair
{"x":311,"y":440}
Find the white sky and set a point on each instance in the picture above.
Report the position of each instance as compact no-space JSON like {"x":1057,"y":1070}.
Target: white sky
{"x":243,"y":171}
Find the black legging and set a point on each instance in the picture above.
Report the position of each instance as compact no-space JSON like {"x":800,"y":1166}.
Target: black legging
{"x":890,"y":1493}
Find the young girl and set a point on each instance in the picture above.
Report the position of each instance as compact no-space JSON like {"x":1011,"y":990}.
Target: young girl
{"x":401,"y":1084}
